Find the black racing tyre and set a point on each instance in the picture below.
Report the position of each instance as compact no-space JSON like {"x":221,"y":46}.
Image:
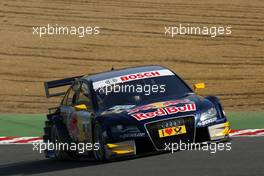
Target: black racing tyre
{"x":47,"y":135}
{"x":55,"y":139}
{"x":100,"y":154}
{"x":59,"y":135}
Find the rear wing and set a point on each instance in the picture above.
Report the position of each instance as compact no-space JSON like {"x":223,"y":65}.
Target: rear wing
{"x":58,"y":83}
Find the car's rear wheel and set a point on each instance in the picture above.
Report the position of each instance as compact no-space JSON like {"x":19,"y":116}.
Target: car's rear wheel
{"x":59,"y":137}
{"x":100,"y":154}
{"x":58,"y":153}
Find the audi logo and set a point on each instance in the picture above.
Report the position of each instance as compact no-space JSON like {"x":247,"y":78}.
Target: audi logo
{"x":171,"y":123}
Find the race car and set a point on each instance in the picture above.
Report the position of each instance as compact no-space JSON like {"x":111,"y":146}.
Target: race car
{"x":129,"y":112}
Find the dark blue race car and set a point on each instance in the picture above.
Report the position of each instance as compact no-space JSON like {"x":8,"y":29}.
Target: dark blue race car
{"x":129,"y":112}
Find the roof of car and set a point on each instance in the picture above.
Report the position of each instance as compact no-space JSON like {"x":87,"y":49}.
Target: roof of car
{"x":126,"y":71}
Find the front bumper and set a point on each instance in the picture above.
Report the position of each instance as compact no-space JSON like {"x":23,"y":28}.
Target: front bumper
{"x":131,"y":147}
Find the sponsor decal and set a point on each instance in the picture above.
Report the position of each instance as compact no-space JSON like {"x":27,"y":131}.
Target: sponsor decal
{"x":124,"y":107}
{"x":131,"y":77}
{"x":206,"y":122}
{"x":140,"y":75}
{"x":172,"y":131}
{"x":158,"y":105}
{"x":117,"y":109}
{"x":164,"y":111}
{"x":132,"y":135}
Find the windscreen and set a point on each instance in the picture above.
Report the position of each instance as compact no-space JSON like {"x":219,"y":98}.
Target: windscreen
{"x":139,"y":88}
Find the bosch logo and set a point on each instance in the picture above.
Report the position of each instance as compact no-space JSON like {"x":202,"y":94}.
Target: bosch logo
{"x":140,"y":75}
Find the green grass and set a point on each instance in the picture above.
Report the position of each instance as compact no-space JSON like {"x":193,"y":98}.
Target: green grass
{"x":246,"y":120}
{"x":21,"y":124}
{"x":32,"y":124}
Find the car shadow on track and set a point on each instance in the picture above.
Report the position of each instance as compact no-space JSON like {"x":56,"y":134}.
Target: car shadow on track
{"x":42,"y":166}
{"x":47,"y":165}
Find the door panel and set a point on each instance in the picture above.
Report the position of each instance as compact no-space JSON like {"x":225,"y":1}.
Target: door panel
{"x":80,"y":125}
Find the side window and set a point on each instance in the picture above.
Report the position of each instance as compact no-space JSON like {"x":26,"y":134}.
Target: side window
{"x":64,"y":101}
{"x":85,"y":96}
{"x":71,"y":99}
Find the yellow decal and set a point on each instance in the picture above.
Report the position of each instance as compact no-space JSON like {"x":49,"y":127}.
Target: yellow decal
{"x":172,"y":131}
{"x":81,"y":107}
{"x":158,"y":105}
{"x":112,"y":145}
{"x":122,"y":152}
{"x":199,"y":86}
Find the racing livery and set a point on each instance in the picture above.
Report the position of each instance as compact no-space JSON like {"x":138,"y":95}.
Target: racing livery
{"x":112,"y":112}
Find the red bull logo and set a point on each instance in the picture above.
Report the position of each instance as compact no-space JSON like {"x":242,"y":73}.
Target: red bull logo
{"x":159,"y":105}
{"x":165,"y":111}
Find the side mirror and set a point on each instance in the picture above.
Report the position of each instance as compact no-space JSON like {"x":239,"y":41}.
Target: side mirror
{"x":198,"y":86}
{"x":81,"y":107}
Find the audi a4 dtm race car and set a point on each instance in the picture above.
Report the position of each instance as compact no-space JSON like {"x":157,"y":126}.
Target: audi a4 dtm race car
{"x":113,"y":112}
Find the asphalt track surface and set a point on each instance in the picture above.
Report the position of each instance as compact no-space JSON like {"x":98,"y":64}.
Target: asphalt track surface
{"x":245,"y":159}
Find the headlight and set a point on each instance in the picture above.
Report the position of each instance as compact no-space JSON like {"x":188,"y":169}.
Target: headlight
{"x":124,"y":129}
{"x":209,"y":114}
